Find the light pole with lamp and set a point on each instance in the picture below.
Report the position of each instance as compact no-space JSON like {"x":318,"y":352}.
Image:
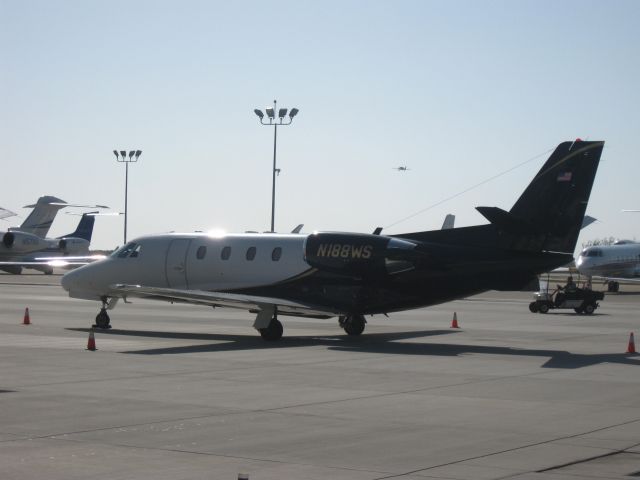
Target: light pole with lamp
{"x":271,"y":115}
{"x":122,"y":158}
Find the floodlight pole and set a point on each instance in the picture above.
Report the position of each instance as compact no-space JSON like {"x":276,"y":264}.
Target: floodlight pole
{"x":273,"y":174}
{"x":271,"y":114}
{"x":122,"y":158}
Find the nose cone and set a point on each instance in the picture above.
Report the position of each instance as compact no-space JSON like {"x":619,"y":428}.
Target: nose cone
{"x":79,"y":283}
{"x":69,"y":279}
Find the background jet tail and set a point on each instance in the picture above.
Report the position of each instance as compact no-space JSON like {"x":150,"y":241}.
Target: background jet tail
{"x":85,"y":227}
{"x":41,"y":217}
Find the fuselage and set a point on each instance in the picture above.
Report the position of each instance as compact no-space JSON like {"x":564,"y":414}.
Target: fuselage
{"x":340,"y":272}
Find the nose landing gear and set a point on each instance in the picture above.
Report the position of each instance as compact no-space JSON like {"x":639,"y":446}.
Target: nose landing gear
{"x":102,"y":319}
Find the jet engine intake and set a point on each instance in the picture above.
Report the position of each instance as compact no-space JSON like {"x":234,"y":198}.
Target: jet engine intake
{"x":21,"y":242}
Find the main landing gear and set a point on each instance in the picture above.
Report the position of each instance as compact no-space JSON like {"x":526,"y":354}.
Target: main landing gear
{"x":102,"y":319}
{"x":613,"y":286}
{"x":273,"y":331}
{"x":352,"y":324}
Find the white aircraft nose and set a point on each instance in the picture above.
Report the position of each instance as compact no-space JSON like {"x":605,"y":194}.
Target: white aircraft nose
{"x":67,"y":280}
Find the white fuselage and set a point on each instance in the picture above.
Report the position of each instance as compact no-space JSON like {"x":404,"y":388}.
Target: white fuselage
{"x":195,"y":261}
{"x":614,"y":261}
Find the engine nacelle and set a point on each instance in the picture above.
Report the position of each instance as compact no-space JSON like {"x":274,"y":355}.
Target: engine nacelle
{"x":358,"y":253}
{"x":73,"y":245}
{"x":21,"y":242}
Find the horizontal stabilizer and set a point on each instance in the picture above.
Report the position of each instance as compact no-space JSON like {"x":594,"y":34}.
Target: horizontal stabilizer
{"x":506,"y":221}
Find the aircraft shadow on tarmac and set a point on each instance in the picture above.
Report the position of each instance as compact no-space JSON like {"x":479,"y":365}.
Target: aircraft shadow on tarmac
{"x":382,"y":343}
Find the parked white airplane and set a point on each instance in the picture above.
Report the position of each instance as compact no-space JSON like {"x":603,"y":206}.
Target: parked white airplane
{"x":19,"y":245}
{"x":53,"y":250}
{"x":620,"y":261}
{"x":350,"y":275}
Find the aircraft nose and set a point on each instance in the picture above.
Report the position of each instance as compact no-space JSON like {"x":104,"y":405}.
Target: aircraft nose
{"x":68,"y":280}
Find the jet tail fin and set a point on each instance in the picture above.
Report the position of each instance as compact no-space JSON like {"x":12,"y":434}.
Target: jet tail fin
{"x":85,"y":227}
{"x":41,"y":217}
{"x":553,"y":205}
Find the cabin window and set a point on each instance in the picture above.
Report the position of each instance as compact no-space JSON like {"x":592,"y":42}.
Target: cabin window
{"x":251,"y":253}
{"x":226,"y":253}
{"x":202,"y":251}
{"x":276,"y":254}
{"x":129,"y":250}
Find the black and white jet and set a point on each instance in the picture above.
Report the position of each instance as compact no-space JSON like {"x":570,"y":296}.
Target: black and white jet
{"x":351,"y":275}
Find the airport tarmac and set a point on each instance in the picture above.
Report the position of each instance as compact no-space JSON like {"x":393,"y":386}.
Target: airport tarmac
{"x":188,"y":392}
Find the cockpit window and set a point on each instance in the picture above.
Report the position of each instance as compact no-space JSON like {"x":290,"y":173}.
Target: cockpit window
{"x":596,"y":252}
{"x":130,"y":250}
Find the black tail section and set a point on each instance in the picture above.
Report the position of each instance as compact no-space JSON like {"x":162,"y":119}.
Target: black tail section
{"x":555,"y":201}
{"x":547,"y":216}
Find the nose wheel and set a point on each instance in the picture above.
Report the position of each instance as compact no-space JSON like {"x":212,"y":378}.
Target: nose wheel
{"x":102,"y":319}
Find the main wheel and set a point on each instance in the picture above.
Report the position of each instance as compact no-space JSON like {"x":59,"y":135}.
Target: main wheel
{"x":354,"y":324}
{"x":589,"y":308}
{"x":543,"y":307}
{"x":103,"y":320}
{"x":273,"y":332}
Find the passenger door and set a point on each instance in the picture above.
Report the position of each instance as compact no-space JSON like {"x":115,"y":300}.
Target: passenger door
{"x":176,"y":263}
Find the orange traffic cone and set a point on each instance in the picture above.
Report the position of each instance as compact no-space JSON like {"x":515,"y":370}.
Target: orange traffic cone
{"x":91,"y":344}
{"x":454,"y":322}
{"x":632,"y":344}
{"x":27,"y":319}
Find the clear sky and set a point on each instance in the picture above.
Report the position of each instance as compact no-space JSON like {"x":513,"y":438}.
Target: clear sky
{"x":458,"y":91}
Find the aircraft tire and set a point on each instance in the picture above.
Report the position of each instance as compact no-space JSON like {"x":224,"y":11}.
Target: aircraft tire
{"x":273,"y":332}
{"x":543,"y":308}
{"x":102,"y":319}
{"x":354,"y":325}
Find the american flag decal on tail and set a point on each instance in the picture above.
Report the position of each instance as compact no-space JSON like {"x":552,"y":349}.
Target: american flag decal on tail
{"x":564,"y":176}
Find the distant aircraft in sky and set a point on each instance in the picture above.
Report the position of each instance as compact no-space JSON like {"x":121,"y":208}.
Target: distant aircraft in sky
{"x":401,"y":168}
{"x":350,"y":275}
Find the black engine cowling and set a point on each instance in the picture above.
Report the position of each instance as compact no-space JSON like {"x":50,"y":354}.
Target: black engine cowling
{"x":358,"y":253}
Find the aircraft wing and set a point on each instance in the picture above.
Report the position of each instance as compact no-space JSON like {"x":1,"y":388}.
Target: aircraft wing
{"x":223,"y":299}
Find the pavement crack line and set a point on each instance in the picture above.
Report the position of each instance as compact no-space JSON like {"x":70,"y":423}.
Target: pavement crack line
{"x":220,"y":455}
{"x":523,"y":447}
{"x":590,"y":459}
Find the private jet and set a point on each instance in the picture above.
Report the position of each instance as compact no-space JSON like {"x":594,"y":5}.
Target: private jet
{"x":354,"y":275}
